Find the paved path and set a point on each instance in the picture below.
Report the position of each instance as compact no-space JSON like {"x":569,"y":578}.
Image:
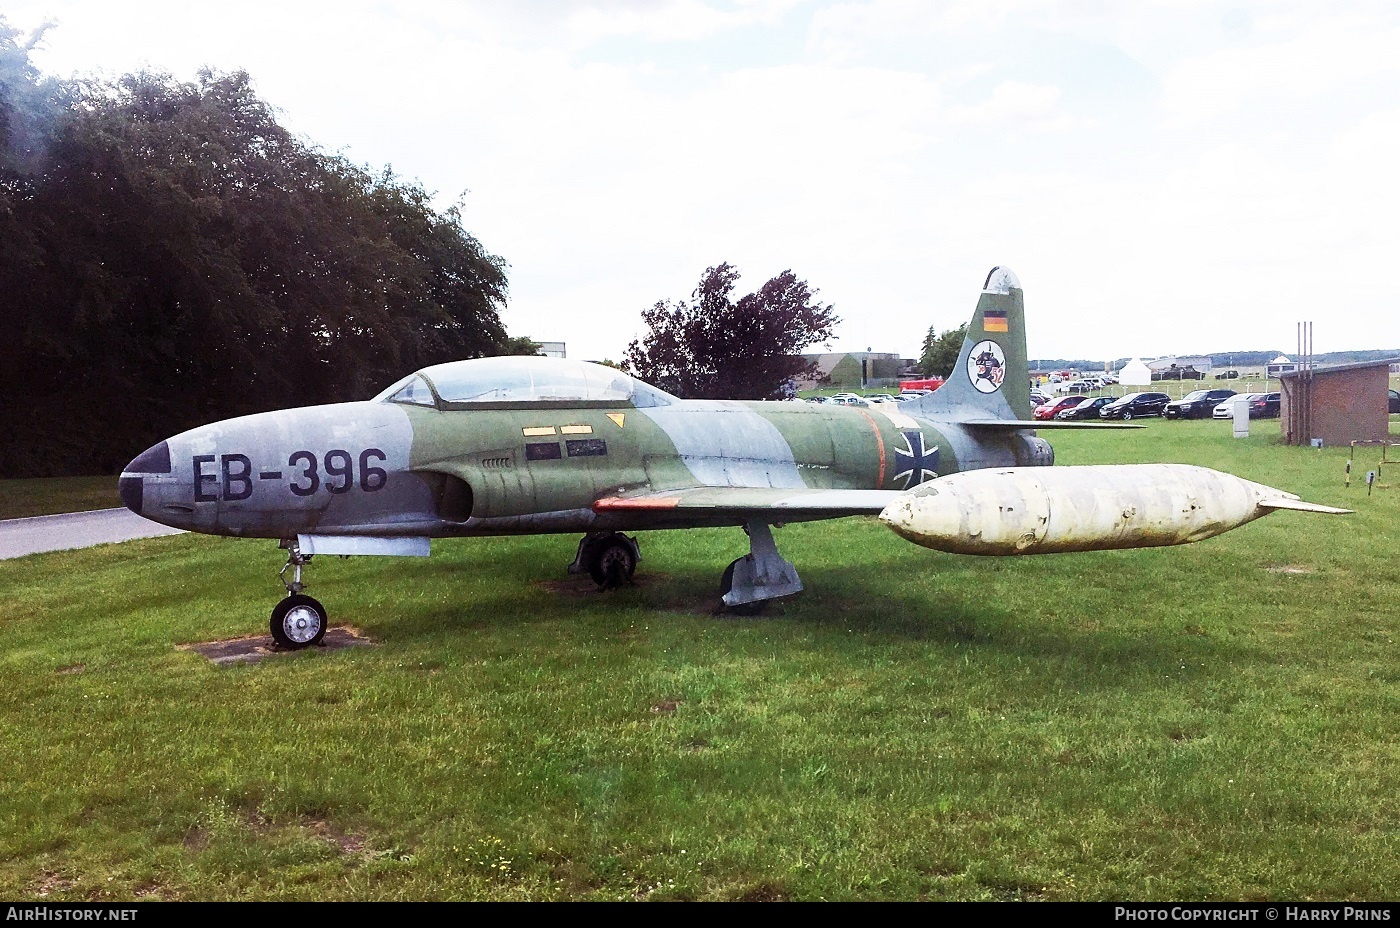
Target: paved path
{"x":75,"y":530}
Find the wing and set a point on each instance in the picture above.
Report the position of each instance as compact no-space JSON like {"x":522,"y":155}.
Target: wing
{"x":735,"y":505}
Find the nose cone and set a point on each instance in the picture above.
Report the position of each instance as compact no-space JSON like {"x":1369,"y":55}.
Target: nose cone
{"x":132,"y":485}
{"x":927,"y":516}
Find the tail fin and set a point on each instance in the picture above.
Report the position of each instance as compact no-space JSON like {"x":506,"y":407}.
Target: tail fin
{"x":992,"y":377}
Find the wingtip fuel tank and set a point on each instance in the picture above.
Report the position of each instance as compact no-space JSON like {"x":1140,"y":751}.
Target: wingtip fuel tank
{"x":1042,"y":510}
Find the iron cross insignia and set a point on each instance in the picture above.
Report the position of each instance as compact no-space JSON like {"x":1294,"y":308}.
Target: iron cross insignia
{"x":912,"y":463}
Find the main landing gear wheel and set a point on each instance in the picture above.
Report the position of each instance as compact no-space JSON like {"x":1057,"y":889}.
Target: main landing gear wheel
{"x":298,"y":622}
{"x":612,"y":561}
{"x":610,"y":558}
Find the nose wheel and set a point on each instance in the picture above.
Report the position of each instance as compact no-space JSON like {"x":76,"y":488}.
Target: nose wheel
{"x":297,"y":621}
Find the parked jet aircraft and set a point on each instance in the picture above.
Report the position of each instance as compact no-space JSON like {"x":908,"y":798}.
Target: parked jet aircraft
{"x":529,"y":445}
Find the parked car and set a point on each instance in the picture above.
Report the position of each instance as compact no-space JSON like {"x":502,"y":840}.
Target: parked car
{"x":1226,"y":409}
{"x":1265,"y":406}
{"x":819,"y":400}
{"x":880,"y":398}
{"x":1136,"y":406}
{"x":1048,"y":410}
{"x":1198,"y":404}
{"x":1087,"y":408}
{"x":850,"y":400}
{"x":1395,"y":400}
{"x":1076,"y":386}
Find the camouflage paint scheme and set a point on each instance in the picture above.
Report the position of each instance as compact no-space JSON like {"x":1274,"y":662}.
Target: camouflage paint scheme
{"x":501,"y":446}
{"x":633,"y":459}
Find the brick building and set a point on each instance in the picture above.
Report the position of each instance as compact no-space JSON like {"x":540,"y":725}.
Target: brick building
{"x":1339,"y":404}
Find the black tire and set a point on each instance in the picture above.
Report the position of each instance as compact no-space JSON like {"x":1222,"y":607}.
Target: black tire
{"x":298,"y":622}
{"x":1127,"y":414}
{"x":611,"y":562}
{"x":726,"y":583}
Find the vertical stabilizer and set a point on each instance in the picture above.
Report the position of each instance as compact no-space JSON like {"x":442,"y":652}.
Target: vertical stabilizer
{"x":992,"y":378}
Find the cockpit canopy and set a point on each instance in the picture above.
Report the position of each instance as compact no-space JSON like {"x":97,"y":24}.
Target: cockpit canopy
{"x":517,"y":380}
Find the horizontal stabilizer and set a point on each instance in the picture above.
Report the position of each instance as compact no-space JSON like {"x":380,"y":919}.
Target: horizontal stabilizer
{"x":1302,"y":506}
{"x":1042,"y":424}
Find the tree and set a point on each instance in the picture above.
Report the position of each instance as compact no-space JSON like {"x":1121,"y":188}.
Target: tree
{"x":941,"y":351}
{"x":521,"y":345}
{"x":171,"y":255}
{"x":713,"y":347}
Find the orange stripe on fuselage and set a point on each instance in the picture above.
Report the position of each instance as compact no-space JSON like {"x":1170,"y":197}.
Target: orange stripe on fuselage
{"x":645,"y":502}
{"x":879,"y":443}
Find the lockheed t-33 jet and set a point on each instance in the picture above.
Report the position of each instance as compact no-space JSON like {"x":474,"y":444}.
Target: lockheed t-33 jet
{"x":531,"y":445}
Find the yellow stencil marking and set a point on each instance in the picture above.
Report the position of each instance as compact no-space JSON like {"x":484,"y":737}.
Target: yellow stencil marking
{"x":576,"y":429}
{"x":617,"y":417}
{"x":533,"y":430}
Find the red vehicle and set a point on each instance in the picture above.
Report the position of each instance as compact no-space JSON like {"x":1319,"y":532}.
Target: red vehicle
{"x":928,"y":383}
{"x":1048,"y":410}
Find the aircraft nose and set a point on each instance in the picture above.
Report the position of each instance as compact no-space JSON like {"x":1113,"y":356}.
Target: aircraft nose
{"x":131,"y":486}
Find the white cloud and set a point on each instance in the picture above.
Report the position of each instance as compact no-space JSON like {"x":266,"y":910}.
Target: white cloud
{"x":674,"y":20}
{"x":1324,"y":58}
{"x":888,"y":152}
{"x":1021,"y":105}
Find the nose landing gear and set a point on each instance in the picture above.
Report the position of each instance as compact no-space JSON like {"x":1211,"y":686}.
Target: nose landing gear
{"x":297,"y":621}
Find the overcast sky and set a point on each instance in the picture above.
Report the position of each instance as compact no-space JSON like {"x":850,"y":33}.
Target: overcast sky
{"x":1163,"y":177}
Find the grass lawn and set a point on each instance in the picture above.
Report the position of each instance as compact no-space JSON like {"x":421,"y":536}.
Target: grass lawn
{"x":50,"y":495}
{"x":1218,"y":721}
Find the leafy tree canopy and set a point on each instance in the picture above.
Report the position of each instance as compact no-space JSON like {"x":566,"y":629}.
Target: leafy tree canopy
{"x":174,"y":256}
{"x":941,"y":351}
{"x":521,"y":345}
{"x":717,"y":348}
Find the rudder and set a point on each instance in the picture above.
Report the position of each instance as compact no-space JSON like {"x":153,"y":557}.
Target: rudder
{"x":991,"y":379}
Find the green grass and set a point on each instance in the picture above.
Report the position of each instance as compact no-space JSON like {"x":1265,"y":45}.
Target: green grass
{"x":49,"y":495}
{"x":1216,"y":721}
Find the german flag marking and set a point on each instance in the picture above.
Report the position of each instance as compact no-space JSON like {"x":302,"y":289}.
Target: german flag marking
{"x":994,"y":320}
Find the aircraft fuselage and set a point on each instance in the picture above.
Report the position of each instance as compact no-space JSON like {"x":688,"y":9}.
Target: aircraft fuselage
{"x":390,"y":469}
